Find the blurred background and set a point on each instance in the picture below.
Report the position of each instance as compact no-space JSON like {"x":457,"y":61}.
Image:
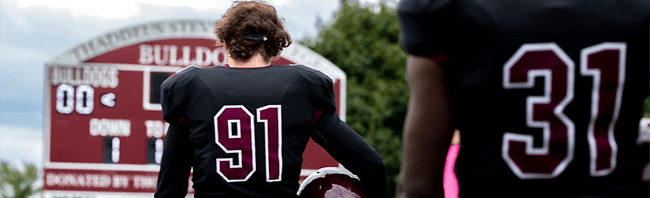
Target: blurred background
{"x":359,"y":36}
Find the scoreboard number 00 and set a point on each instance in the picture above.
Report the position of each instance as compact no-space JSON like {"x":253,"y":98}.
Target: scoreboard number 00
{"x":66,"y":99}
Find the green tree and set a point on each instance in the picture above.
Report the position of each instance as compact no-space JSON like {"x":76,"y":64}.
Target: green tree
{"x":363,"y":40}
{"x":17,"y":182}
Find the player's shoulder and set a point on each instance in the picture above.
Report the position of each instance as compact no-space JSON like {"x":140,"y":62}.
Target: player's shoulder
{"x":416,"y":7}
{"x":181,"y":77}
{"x":308,"y":73}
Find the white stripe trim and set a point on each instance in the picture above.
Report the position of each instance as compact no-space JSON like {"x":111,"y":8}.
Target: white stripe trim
{"x":98,"y":166}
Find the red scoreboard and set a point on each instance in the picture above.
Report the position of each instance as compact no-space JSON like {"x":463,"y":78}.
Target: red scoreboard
{"x":103,"y":126}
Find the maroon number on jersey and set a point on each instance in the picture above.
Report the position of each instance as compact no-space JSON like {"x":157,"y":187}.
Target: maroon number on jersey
{"x":235,"y":133}
{"x":605,"y":62}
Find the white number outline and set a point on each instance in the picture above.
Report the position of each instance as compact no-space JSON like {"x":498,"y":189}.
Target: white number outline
{"x":545,"y":99}
{"x":595,"y":73}
{"x":595,"y":101}
{"x":238,"y":135}
{"x":266,"y":141}
{"x":253,"y":144}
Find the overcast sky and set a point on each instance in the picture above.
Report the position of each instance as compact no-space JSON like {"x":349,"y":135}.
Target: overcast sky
{"x":33,"y":32}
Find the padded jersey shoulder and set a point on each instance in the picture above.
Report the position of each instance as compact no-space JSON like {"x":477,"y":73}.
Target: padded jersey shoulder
{"x":426,"y":26}
{"x":182,"y":76}
{"x":311,"y":74}
{"x":173,"y":93}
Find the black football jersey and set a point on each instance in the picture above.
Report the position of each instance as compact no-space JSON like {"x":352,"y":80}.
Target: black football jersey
{"x":244,"y":130}
{"x":547,"y":94}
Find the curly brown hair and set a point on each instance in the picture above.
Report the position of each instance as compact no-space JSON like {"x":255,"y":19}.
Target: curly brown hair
{"x":249,"y":27}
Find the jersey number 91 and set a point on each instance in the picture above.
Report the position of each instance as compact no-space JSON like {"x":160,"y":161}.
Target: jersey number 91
{"x":234,"y":128}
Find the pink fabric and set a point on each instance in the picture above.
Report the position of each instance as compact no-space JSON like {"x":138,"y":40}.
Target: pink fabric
{"x":450,"y":182}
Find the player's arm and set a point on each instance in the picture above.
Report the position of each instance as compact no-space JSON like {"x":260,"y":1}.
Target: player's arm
{"x":176,"y":163}
{"x":427,"y":130}
{"x":351,"y":150}
{"x":177,"y":153}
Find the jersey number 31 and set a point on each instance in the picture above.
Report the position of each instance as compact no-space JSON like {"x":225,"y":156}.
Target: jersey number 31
{"x":605,"y":63}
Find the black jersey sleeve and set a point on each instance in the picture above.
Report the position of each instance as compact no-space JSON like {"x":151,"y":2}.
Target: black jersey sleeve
{"x":327,"y":99}
{"x":177,"y":154}
{"x":176,"y":163}
{"x":424,"y":29}
{"x":351,"y":150}
{"x":342,"y":142}
{"x":321,"y":87}
{"x":173,"y":92}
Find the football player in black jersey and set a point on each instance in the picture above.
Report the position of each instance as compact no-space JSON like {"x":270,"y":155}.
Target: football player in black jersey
{"x":547,"y":95}
{"x":243,"y":127}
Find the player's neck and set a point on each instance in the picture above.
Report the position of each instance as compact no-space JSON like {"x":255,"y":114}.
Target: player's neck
{"x":256,"y":61}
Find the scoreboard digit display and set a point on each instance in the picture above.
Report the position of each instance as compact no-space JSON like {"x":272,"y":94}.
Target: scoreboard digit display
{"x":104,"y":132}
